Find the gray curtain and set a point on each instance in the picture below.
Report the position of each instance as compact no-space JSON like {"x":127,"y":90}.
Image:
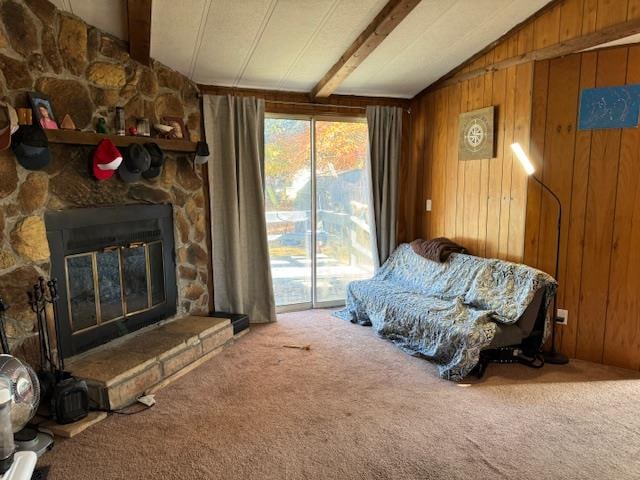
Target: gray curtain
{"x":385,"y":140}
{"x":234,"y":128}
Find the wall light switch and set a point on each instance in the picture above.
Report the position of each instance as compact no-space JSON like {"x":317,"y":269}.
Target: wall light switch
{"x":562,"y":317}
{"x":428,"y":206}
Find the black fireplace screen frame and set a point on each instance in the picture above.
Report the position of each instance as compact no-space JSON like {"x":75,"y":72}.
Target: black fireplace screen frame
{"x":84,"y":230}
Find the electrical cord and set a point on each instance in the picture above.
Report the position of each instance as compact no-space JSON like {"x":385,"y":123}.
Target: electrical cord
{"x":120,"y":411}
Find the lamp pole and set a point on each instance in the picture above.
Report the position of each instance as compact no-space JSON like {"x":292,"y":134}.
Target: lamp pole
{"x":553,"y":356}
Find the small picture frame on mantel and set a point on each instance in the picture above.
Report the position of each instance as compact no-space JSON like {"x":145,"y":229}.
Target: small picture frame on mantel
{"x":42,"y":111}
{"x":476,"y":135}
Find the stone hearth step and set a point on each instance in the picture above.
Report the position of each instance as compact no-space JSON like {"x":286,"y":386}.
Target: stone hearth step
{"x":119,"y":372}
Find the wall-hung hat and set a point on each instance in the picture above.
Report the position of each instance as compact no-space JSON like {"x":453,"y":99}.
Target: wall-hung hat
{"x":135,"y":161}
{"x":157,"y":160}
{"x":31,"y":147}
{"x":8,"y":124}
{"x":106,"y":160}
{"x":202,"y":153}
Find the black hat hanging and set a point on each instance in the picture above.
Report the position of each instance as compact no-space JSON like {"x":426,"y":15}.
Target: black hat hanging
{"x":202,"y":153}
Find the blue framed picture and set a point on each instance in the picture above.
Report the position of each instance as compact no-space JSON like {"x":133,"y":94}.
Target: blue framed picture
{"x":609,"y":107}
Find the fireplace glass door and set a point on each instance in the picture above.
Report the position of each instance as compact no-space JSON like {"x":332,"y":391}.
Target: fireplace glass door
{"x":114,"y":283}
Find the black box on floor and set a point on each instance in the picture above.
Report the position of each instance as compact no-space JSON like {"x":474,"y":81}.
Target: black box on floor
{"x":239,"y":321}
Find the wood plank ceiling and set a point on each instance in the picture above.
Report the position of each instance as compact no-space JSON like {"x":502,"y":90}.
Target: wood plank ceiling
{"x":292,"y":44}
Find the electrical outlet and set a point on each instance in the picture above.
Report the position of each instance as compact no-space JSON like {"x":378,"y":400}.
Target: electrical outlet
{"x":428,"y":205}
{"x":562,"y":317}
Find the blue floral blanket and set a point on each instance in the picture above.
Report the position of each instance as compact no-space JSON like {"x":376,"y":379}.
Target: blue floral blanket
{"x":447,"y":311}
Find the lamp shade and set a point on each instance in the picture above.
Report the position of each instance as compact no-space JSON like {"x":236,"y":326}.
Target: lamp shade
{"x":524,"y":160}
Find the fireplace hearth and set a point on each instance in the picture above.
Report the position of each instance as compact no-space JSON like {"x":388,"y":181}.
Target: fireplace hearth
{"x":116,"y":271}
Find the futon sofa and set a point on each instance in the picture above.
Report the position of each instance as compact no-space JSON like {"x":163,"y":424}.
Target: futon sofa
{"x":452,"y":312}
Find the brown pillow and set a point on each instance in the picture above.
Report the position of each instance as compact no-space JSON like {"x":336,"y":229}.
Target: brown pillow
{"x":437,"y":249}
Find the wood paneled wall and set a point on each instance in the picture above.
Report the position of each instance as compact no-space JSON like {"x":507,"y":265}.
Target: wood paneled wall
{"x":595,"y":173}
{"x":479,"y":203}
{"x":493,"y":209}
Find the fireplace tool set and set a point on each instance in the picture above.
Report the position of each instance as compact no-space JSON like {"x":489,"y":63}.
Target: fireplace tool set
{"x":67,"y":397}
{"x":22,"y":391}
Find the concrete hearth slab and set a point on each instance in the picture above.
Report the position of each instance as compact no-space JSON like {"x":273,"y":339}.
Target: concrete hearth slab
{"x":119,"y":372}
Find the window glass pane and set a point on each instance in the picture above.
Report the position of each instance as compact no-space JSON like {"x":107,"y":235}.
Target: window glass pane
{"x":343,"y":239}
{"x":109,"y":285}
{"x":135,"y":272}
{"x":82,"y":299}
{"x":157,"y":273}
{"x":288,"y":207}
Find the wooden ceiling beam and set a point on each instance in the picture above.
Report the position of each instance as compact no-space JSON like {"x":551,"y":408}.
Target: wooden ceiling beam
{"x":385,"y":22}
{"x":139,"y":24}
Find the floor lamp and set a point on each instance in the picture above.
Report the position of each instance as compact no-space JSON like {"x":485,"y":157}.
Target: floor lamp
{"x":552,"y":356}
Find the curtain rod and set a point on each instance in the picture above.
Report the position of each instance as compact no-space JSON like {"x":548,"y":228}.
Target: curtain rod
{"x":312,"y":104}
{"x":284,"y":102}
{"x":354,"y":107}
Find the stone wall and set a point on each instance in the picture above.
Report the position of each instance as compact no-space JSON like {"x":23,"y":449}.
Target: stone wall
{"x":86,"y":72}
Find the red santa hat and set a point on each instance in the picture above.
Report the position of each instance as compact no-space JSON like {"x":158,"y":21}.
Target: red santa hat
{"x":106,"y":160}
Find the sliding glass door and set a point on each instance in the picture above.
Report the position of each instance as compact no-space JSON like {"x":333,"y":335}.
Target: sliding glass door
{"x":317,"y":208}
{"x":289,"y":209}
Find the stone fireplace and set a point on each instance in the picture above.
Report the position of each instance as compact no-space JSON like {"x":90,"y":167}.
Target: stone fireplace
{"x":64,"y":189}
{"x":86,"y":72}
{"x":116,"y":271}
{"x":131,"y":259}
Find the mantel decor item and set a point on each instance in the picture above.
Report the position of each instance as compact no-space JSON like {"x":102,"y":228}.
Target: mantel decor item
{"x":180,"y":131}
{"x":25,"y":116}
{"x":68,"y":123}
{"x":143,"y":128}
{"x":42,"y":111}
{"x":476,"y":140}
{"x":164,"y":131}
{"x":101,"y":125}
{"x":119,"y":119}
{"x":552,"y":356}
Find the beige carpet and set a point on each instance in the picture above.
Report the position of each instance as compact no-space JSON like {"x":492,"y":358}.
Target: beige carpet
{"x":356,"y":407}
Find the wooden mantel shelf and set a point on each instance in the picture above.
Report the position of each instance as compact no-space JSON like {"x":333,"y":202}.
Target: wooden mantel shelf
{"x":74,"y":137}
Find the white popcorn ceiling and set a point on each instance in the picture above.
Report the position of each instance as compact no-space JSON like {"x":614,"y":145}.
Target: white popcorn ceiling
{"x":291,"y":44}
